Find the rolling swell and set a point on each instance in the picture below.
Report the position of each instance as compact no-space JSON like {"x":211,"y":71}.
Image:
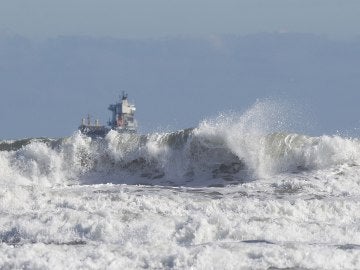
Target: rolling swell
{"x":18,"y":144}
{"x":209,"y":155}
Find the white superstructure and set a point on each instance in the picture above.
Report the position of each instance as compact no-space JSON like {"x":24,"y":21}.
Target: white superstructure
{"x":123,"y":115}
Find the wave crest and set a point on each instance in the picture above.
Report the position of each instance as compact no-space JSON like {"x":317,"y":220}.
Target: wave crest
{"x":227,"y":150}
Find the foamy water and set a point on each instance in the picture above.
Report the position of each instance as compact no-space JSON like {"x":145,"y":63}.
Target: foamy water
{"x":237,"y":192}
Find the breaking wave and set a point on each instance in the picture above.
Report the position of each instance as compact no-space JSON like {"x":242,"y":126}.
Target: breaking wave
{"x":230,"y":149}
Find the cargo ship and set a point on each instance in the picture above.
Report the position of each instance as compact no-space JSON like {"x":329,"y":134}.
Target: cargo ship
{"x":122,"y":120}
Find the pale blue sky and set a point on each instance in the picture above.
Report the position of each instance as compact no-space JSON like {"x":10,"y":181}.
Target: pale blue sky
{"x":159,"y":18}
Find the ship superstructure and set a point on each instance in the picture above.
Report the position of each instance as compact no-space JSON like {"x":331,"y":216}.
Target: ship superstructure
{"x":123,"y":115}
{"x":122,"y":120}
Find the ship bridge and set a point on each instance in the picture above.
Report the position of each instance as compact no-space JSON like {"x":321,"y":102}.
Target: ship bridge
{"x":123,"y":115}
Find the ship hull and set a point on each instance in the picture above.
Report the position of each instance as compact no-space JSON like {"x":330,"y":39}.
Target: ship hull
{"x":94,"y":131}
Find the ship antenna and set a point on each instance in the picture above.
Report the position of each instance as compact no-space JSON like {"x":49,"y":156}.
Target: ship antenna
{"x":124,"y":95}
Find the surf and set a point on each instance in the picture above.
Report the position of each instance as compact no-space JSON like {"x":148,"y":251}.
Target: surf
{"x":227,"y":150}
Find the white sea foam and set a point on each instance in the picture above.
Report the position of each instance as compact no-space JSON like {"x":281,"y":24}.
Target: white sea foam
{"x":281,"y":200}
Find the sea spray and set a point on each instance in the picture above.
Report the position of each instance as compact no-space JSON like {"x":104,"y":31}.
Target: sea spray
{"x":238,"y":191}
{"x":229,"y":149}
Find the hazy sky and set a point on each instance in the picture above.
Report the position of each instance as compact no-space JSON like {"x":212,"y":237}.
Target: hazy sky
{"x":157,"y":18}
{"x":70,"y":69}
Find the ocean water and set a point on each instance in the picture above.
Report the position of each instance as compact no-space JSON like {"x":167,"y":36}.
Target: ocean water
{"x":236,"y":192}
